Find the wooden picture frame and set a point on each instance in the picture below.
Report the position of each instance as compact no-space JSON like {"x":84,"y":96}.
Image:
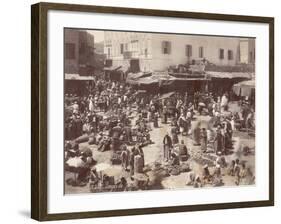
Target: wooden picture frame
{"x":39,"y":108}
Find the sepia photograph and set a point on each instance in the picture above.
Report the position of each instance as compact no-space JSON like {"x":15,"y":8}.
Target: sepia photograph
{"x":157,"y":111}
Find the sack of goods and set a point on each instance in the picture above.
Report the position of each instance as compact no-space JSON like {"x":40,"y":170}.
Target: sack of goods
{"x":92,"y":141}
{"x":82,"y":138}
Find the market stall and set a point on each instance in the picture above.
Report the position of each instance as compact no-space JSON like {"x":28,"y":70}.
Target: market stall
{"x":245,"y":88}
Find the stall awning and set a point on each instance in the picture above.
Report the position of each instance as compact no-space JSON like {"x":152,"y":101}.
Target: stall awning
{"x":141,"y":92}
{"x":166,"y":95}
{"x":229,"y":75}
{"x":135,"y":76}
{"x":187,"y":75}
{"x":143,"y":81}
{"x":160,"y":78}
{"x":112,"y":68}
{"x":78,"y":77}
{"x":244,"y":88}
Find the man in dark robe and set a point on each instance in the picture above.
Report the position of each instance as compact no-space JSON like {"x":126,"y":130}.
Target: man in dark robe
{"x":131,"y":162}
{"x":218,"y":141}
{"x":165,"y":114}
{"x":155,"y":120}
{"x":196,"y":135}
{"x":167,"y":142}
{"x":175,"y":139}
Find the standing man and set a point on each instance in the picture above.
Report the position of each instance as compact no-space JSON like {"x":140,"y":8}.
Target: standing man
{"x":203,"y":140}
{"x":218,"y":141}
{"x":224,"y":102}
{"x":165,"y":114}
{"x":183,"y":152}
{"x":132,"y":162}
{"x":125,"y":155}
{"x":155,"y":120}
{"x":167,"y":143}
{"x":175,"y":139}
{"x":140,"y":152}
{"x":196,"y":135}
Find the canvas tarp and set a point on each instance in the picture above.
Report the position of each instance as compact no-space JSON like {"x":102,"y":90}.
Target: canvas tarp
{"x":78,"y":77}
{"x":244,"y":88}
{"x":166,"y":95}
{"x":112,"y":68}
{"x":229,"y":75}
{"x":136,"y":76}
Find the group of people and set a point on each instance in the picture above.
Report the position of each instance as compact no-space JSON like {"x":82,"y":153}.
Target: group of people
{"x":116,"y":117}
{"x":236,"y":169}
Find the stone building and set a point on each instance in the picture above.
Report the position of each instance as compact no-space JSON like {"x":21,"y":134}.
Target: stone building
{"x":156,"y":52}
{"x":78,"y":52}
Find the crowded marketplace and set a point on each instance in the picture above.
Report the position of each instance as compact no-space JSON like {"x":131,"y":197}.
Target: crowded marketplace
{"x":133,"y":126}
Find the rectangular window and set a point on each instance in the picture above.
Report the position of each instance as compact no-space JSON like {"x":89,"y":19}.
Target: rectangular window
{"x":121,"y":48}
{"x":251,"y":57}
{"x":108,"y":63}
{"x":70,"y":51}
{"x":82,"y":48}
{"x":188,"y":50}
{"x":230,"y":55}
{"x":134,"y":45}
{"x":145,"y":52}
{"x":221,"y":53}
{"x":201,"y":52}
{"x":166,"y":47}
{"x":108,"y":52}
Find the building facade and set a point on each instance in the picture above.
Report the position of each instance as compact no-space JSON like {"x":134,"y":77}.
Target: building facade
{"x":128,"y":49}
{"x":156,"y":52}
{"x":247,"y":51}
{"x":78,"y":52}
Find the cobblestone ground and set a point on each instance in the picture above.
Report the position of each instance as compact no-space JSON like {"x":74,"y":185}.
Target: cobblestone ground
{"x":154,"y":153}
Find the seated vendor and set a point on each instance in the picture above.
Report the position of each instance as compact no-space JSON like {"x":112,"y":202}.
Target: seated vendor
{"x":94,"y":178}
{"x":175,"y":159}
{"x":206,"y":173}
{"x":183,"y":152}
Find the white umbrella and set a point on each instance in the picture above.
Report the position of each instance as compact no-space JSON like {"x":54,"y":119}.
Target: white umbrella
{"x":75,"y":162}
{"x":102,"y":166}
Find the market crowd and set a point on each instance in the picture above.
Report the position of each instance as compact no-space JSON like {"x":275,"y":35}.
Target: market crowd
{"x":115,"y":116}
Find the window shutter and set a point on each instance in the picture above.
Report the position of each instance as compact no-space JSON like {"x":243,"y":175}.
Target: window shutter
{"x":200,"y":52}
{"x":163,"y":47}
{"x":222,"y":53}
{"x":169,"y":47}
{"x":188,"y":50}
